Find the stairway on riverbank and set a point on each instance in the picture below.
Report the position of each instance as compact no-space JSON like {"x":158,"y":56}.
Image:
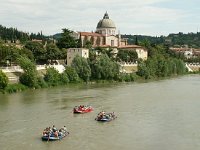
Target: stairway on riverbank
{"x":13,"y":77}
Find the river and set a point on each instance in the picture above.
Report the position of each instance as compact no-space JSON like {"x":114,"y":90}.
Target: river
{"x":158,"y":115}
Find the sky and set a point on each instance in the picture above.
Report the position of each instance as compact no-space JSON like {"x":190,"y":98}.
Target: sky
{"x":136,"y":17}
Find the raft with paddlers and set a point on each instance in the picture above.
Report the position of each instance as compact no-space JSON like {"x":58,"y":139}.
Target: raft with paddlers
{"x":52,"y":134}
{"x":105,"y":117}
{"x":82,"y":109}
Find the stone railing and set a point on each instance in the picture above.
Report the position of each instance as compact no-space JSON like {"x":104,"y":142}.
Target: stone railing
{"x":60,"y":68}
{"x":127,"y":63}
{"x":193,"y":64}
{"x":12,"y":69}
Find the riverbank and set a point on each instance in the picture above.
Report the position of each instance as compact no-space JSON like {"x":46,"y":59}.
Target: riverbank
{"x":18,"y":87}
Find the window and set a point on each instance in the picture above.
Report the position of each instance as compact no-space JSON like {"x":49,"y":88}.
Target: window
{"x":112,"y":42}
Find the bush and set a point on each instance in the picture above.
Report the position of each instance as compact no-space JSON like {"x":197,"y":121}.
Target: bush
{"x":28,"y":80}
{"x":82,"y":67}
{"x":127,"y":77}
{"x":29,"y":77}
{"x":52,"y":77}
{"x":13,"y":88}
{"x":41,"y":83}
{"x":64,"y":78}
{"x":72,"y":74}
{"x":3,"y":80}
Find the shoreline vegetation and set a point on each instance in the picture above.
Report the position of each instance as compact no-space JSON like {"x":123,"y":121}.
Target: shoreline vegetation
{"x":146,"y":72}
{"x":101,"y":66}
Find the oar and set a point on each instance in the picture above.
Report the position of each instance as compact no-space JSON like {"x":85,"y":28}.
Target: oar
{"x":48,"y":138}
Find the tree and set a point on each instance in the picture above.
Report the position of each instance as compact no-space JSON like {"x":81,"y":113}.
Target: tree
{"x":52,"y":77}
{"x":72,"y":74}
{"x":104,"y":68}
{"x":29,"y":77}
{"x":37,"y":50}
{"x":136,"y":41}
{"x":3,"y":80}
{"x":127,"y":55}
{"x":82,"y":67}
{"x":133,"y":56}
{"x":26,"y":53}
{"x":8,"y":53}
{"x":143,"y":71}
{"x":53,"y":52}
{"x":88,"y":45}
{"x":64,"y":78}
{"x":66,"y":40}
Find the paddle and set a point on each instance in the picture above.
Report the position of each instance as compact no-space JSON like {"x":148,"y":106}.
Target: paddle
{"x":48,"y":138}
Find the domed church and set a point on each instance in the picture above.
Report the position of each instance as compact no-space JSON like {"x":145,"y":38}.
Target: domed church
{"x":106,"y":26}
{"x":105,"y":35}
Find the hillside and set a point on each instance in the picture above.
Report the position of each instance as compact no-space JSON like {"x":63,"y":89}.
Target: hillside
{"x":175,"y":40}
{"x":13,"y":35}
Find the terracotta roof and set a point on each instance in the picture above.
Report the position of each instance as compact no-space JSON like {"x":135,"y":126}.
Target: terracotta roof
{"x":180,"y":49}
{"x":131,"y":46}
{"x":90,"y":34}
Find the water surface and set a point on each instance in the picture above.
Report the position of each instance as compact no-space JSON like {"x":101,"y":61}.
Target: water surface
{"x":159,"y":115}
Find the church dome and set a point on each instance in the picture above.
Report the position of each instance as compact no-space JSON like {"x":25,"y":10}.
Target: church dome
{"x":106,"y":22}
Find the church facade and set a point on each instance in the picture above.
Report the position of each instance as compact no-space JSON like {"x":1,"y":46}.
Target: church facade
{"x":105,"y":36}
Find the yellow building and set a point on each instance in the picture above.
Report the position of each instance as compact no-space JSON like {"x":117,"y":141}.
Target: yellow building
{"x":106,"y":36}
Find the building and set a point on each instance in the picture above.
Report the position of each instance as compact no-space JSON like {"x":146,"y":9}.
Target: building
{"x":73,"y":52}
{"x":105,"y":36}
{"x":187,"y":52}
{"x":141,"y":51}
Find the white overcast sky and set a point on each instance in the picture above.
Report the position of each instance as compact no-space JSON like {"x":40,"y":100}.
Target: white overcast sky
{"x":146,"y":17}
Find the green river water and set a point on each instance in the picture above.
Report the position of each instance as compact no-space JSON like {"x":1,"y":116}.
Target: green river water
{"x":158,"y":115}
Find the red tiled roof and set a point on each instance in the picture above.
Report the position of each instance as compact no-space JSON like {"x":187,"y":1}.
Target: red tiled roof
{"x":130,"y":46}
{"x":180,"y":49}
{"x":90,"y":34}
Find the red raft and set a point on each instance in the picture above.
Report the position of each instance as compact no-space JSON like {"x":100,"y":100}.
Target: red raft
{"x":82,"y":109}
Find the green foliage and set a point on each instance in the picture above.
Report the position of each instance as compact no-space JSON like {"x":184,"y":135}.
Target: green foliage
{"x":66,"y":40}
{"x":12,"y":34}
{"x":127,"y":55}
{"x":72,"y":74}
{"x":3,"y":80}
{"x":64,"y":78}
{"x":82,"y":68}
{"x":178,"y":39}
{"x":13,"y":88}
{"x":53,"y":52}
{"x":8,"y":52}
{"x":104,"y":68}
{"x":29,"y":77}
{"x":124,"y":77}
{"x":26,"y":53}
{"x":63,"y":53}
{"x":92,"y":55}
{"x":37,"y":49}
{"x":52,"y":77}
{"x":38,"y":36}
{"x":88,"y":45}
{"x":143,"y":71}
{"x":160,"y":64}
{"x":41,"y":83}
